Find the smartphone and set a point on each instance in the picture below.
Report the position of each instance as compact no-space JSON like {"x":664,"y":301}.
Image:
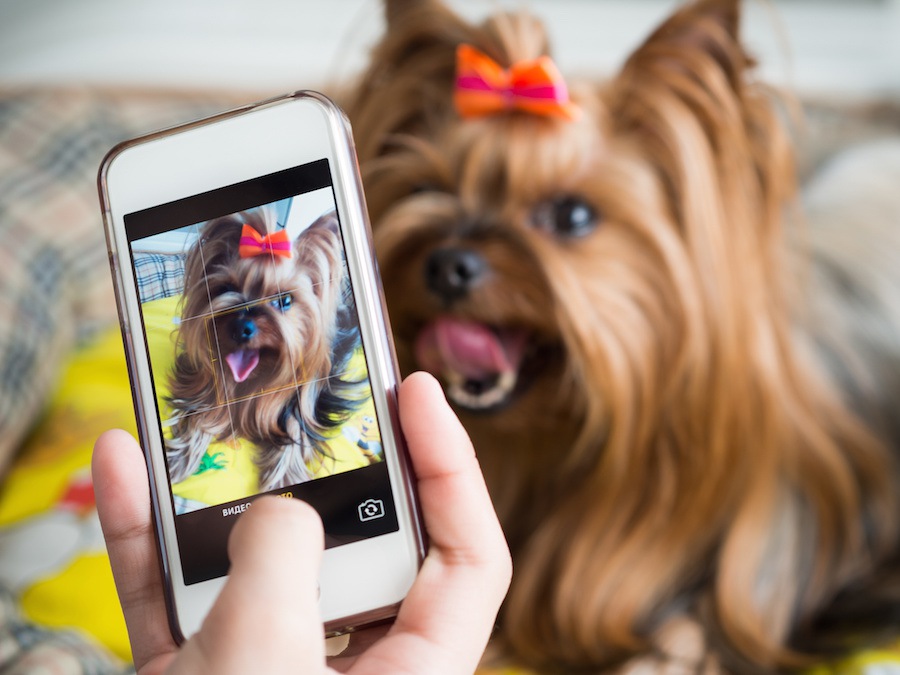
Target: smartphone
{"x":259,"y":350}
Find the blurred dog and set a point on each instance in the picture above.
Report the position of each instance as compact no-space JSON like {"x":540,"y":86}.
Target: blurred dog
{"x":265,"y":324}
{"x":682,"y":396}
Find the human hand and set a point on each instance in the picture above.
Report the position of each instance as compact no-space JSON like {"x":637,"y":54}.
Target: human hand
{"x":266,"y":618}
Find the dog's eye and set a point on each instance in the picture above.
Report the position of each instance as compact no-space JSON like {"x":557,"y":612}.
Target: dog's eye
{"x":283,"y":302}
{"x":568,"y":216}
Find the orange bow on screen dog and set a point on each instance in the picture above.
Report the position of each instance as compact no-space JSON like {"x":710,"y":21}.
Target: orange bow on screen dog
{"x":682,"y":393}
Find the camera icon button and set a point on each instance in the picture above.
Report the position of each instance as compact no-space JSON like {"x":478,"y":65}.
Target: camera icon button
{"x":370,"y":509}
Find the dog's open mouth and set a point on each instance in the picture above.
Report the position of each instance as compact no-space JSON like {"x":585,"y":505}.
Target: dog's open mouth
{"x":479,"y":364}
{"x":242,"y":362}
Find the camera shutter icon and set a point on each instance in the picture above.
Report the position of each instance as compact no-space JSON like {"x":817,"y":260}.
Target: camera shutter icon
{"x":371,"y":509}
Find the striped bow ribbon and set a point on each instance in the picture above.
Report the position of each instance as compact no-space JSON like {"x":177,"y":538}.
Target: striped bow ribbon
{"x":253,"y":243}
{"x":484,"y":87}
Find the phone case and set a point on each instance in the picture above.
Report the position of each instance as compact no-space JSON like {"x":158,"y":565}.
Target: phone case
{"x":372,"y":319}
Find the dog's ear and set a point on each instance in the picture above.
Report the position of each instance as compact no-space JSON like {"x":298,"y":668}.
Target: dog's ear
{"x":688,"y":94}
{"x":702,"y":33}
{"x":696,"y":50}
{"x":409,"y":80}
{"x":329,"y":221}
{"x":220,"y":239}
{"x":397,"y":10}
{"x":318,"y":250}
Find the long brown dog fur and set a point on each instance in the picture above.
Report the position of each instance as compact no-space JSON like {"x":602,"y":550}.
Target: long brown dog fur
{"x":699,"y":440}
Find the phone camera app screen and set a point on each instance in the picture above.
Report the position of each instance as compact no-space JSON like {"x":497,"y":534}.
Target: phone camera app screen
{"x":257,"y":361}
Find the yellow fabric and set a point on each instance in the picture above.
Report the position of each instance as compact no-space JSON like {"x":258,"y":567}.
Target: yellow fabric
{"x":83,"y":595}
{"x":228,"y":471}
{"x":868,"y":662}
{"x":47,"y":510}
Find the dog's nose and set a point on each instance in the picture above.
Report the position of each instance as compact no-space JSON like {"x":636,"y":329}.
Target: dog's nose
{"x":451,"y":273}
{"x":243,"y":329}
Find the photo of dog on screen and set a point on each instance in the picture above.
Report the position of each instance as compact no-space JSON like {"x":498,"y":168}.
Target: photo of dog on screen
{"x":268,"y":365}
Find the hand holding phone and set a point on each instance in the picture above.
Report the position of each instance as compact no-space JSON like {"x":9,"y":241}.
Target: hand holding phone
{"x":443,"y":624}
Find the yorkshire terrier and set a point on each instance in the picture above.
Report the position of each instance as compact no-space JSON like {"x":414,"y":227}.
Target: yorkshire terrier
{"x":682,"y":390}
{"x":267,"y":329}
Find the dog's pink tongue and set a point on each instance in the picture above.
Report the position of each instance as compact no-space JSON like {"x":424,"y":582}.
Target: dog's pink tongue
{"x":467,"y":348}
{"x":242,"y":362}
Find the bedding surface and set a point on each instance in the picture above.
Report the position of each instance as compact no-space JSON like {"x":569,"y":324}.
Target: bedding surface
{"x":62,"y":372}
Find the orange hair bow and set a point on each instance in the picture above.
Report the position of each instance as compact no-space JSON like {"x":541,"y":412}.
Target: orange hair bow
{"x":483,"y":87}
{"x":253,"y":243}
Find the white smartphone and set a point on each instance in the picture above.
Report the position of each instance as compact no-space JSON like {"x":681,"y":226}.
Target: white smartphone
{"x":259,"y":351}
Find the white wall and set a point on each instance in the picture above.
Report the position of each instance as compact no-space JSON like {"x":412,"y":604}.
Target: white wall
{"x":850,"y":46}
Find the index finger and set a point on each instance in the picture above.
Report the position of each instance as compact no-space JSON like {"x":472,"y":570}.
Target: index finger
{"x":122,"y":492}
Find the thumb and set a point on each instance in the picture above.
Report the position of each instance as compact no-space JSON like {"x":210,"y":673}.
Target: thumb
{"x":266,"y":618}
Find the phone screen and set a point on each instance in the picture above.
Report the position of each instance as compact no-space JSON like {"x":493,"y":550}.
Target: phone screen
{"x":258,"y":362}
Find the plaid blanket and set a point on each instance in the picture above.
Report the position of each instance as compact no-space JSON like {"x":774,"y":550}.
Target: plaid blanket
{"x":27,"y":649}
{"x":55,"y":288}
{"x":159,"y":275}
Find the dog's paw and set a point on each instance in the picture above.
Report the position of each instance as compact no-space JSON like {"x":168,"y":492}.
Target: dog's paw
{"x":680,"y":650}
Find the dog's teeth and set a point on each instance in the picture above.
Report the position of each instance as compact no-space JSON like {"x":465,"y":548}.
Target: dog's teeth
{"x":488,"y":398}
{"x":507,"y":381}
